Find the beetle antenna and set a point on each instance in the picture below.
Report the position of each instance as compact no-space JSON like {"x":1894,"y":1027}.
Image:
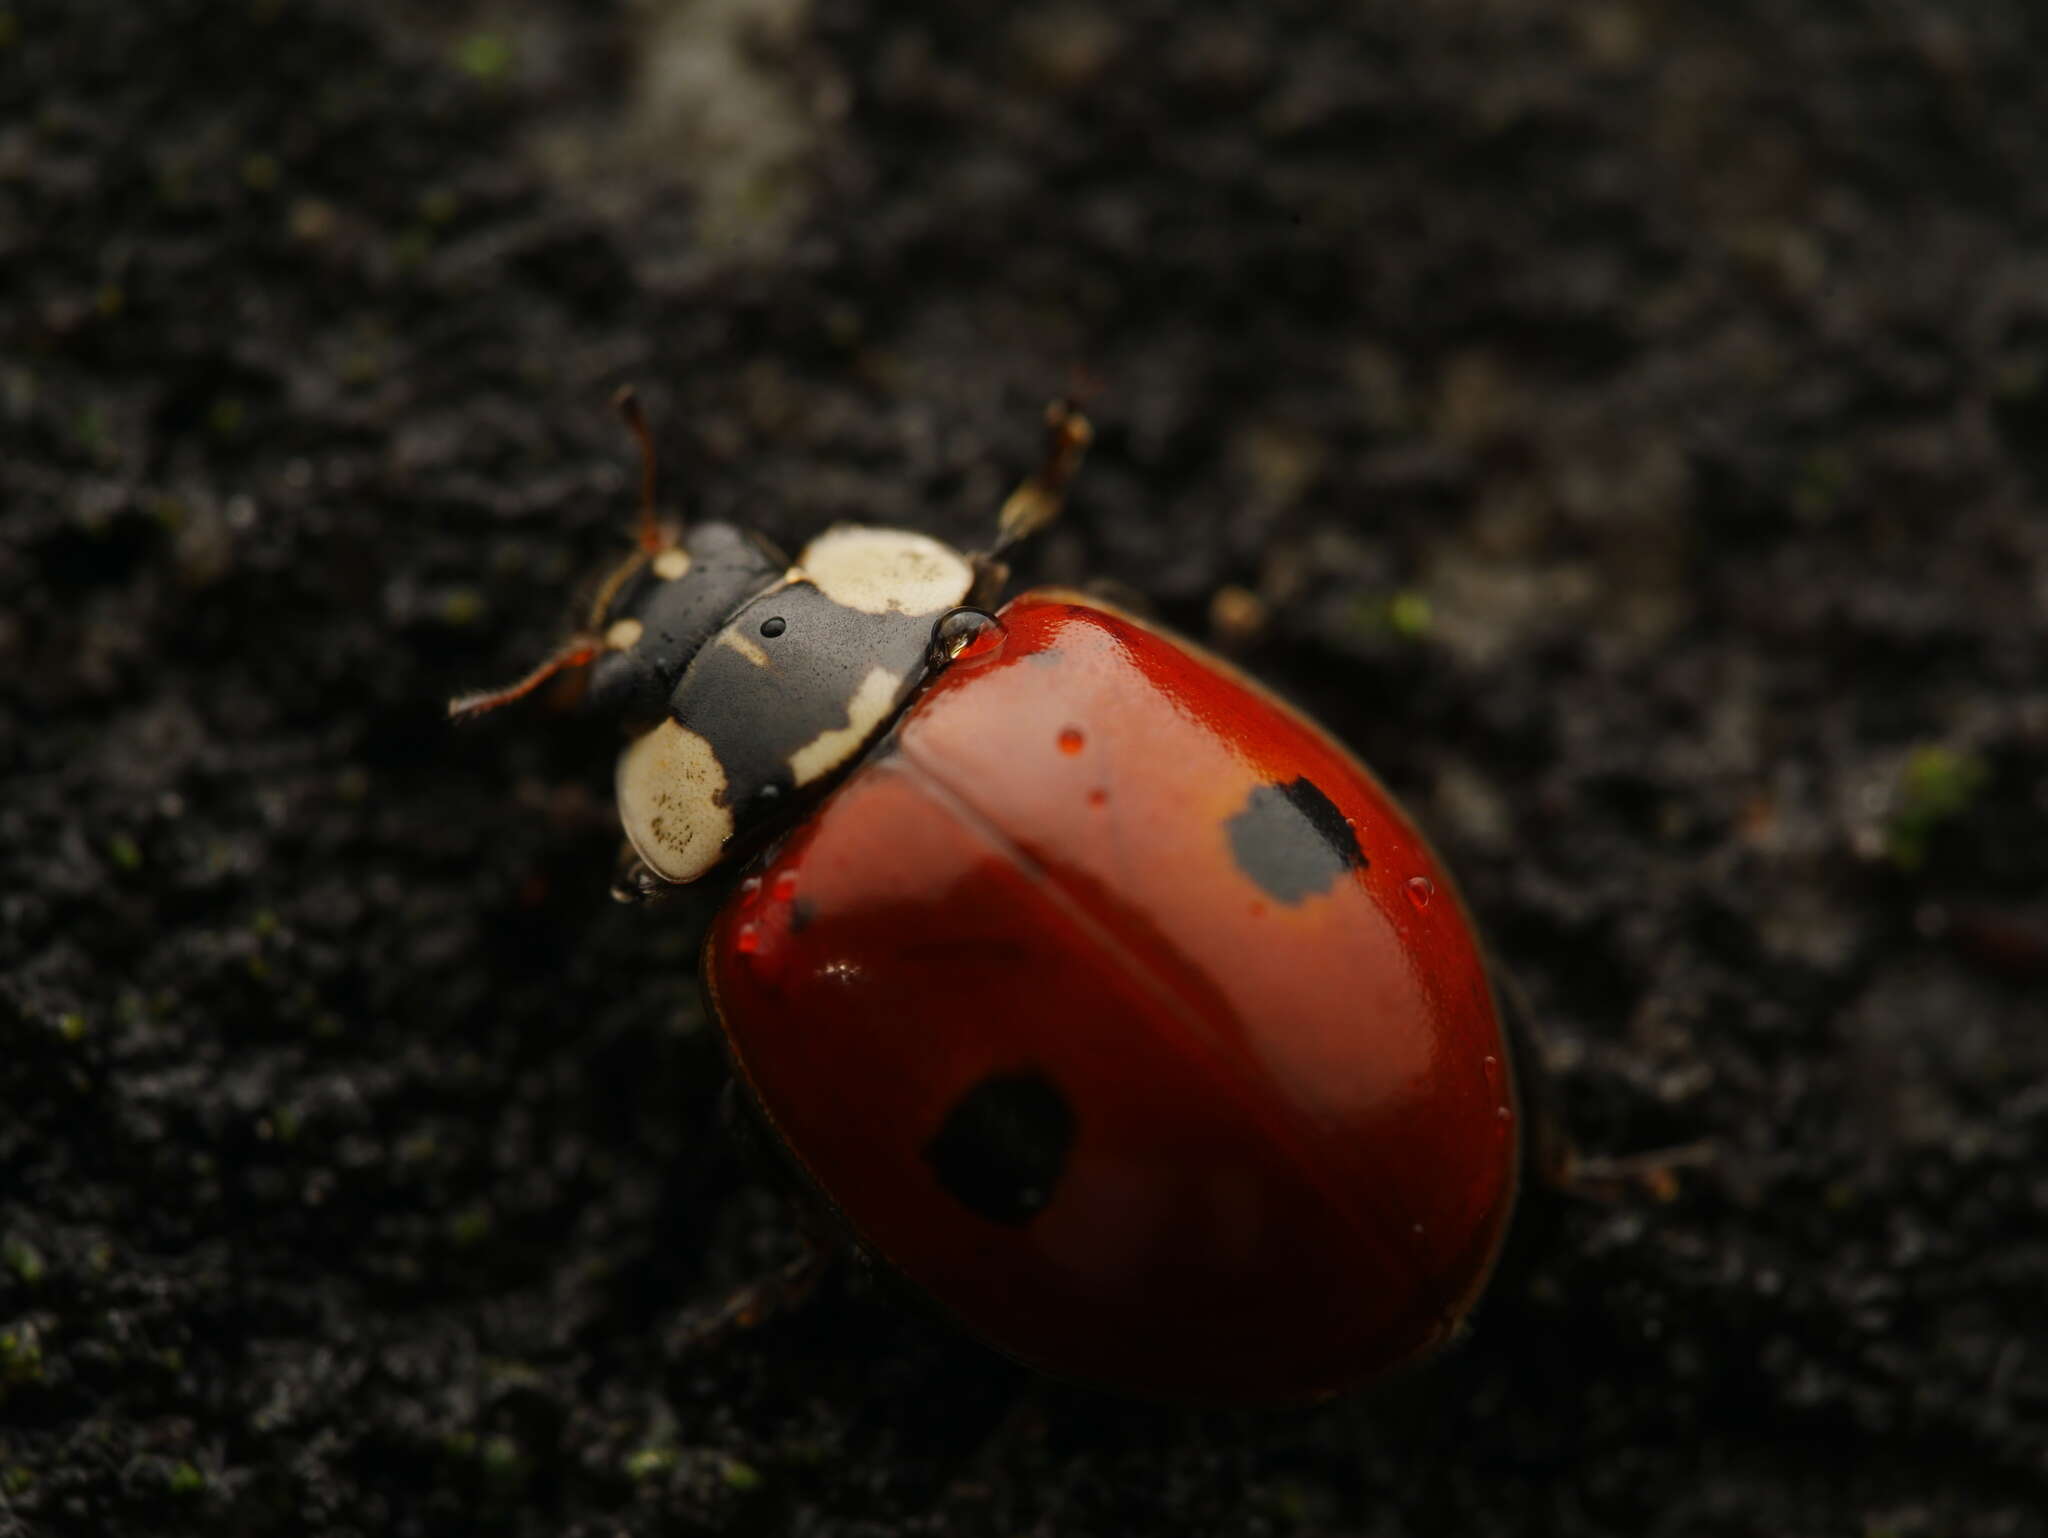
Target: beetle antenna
{"x":1037,"y":501}
{"x":627,"y":403}
{"x":577,"y":651}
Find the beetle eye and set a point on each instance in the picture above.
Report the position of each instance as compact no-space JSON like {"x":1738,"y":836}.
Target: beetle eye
{"x":964,"y":635}
{"x":773,"y":627}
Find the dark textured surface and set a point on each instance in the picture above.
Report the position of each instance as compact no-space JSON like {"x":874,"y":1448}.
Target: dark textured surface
{"x":1633,"y":415}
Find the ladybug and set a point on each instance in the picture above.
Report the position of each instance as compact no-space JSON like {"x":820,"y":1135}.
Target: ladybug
{"x":1094,"y":991}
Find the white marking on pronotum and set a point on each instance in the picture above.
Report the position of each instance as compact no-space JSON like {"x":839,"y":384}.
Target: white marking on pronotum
{"x":832,"y":747}
{"x":624,"y":634}
{"x":744,"y":644}
{"x":877,"y":570}
{"x":672,"y":563}
{"x":669,"y":785}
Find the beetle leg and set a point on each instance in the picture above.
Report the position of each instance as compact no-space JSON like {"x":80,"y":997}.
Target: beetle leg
{"x":781,"y":1289}
{"x":1625,"y":1177}
{"x":1037,"y":500}
{"x":633,"y":882}
{"x":1550,"y":1155}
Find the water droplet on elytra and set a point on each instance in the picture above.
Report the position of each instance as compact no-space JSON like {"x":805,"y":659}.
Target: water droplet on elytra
{"x":785,"y":885}
{"x":1420,"y":890}
{"x":1071,"y":740}
{"x":749,"y":886}
{"x":965,"y":635}
{"x":748,"y":940}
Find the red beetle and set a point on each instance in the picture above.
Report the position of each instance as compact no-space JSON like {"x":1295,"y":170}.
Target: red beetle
{"x":1099,"y":994}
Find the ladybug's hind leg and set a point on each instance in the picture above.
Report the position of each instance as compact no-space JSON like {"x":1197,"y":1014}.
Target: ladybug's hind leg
{"x":788,"y":1285}
{"x":1551,"y":1156}
{"x":1627,"y":1177}
{"x":779,"y":1290}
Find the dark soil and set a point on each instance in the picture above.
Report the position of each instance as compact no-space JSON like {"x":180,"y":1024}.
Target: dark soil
{"x":1633,"y":416}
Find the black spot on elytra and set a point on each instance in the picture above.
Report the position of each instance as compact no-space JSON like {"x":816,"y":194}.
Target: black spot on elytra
{"x":1292,"y":841}
{"x":1003,"y":1147}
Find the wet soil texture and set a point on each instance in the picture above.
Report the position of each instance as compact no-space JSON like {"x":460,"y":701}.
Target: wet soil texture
{"x":1629,"y":419}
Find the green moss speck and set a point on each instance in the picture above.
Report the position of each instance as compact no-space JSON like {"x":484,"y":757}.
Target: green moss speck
{"x":186,"y":1480}
{"x":226,"y":416}
{"x":1409,"y":614}
{"x":18,"y":1480}
{"x":650,"y":1462}
{"x":438,"y":205}
{"x":485,"y":55}
{"x":462,"y":607}
{"x":501,"y":1458}
{"x":1937,"y":786}
{"x":741,"y":1476}
{"x":413,"y":247}
{"x":89,"y":431}
{"x":1823,"y":482}
{"x":21,"y":1355}
{"x":471,"y":1226}
{"x":23,"y":1259}
{"x":124,"y":852}
{"x":71,"y":1026}
{"x":1406,"y":614}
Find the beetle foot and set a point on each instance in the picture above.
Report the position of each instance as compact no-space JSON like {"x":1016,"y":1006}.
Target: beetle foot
{"x":634,"y":882}
{"x":1628,"y":1177}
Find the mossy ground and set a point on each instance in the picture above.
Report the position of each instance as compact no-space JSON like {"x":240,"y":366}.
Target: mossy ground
{"x":1631,"y":417}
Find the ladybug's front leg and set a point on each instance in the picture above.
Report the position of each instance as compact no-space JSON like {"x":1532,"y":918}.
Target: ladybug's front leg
{"x":1035,"y":503}
{"x":634,"y":882}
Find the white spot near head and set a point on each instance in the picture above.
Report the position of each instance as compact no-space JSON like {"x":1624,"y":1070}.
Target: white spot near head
{"x":877,"y":570}
{"x":672,"y":563}
{"x":866,"y":711}
{"x":669,"y":782}
{"x":624,"y":634}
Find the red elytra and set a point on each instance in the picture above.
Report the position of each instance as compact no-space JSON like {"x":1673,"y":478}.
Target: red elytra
{"x":1119,"y":1009}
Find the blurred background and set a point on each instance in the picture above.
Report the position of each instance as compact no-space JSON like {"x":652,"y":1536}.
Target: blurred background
{"x":1624,"y":423}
